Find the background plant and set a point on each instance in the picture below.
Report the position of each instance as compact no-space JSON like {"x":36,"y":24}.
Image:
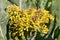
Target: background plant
{"x":54,"y":8}
{"x":25,"y":23}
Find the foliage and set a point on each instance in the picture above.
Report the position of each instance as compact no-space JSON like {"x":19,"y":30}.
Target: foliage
{"x":51,"y":5}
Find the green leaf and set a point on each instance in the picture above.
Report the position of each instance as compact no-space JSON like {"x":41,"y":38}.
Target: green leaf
{"x":3,"y":19}
{"x":59,"y":37}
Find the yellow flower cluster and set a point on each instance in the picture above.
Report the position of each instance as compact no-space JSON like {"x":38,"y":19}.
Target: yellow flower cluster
{"x":29,"y":20}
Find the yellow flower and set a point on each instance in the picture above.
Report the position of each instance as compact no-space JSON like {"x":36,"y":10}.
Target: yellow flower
{"x":51,"y":17}
{"x":44,"y":29}
{"x":44,"y":20}
{"x":28,"y":20}
{"x":16,"y":38}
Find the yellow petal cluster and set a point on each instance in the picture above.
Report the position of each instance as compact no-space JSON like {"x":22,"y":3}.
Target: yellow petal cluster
{"x":29,"y":20}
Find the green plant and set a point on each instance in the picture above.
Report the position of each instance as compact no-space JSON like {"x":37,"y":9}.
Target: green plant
{"x":51,"y":5}
{"x":25,"y":23}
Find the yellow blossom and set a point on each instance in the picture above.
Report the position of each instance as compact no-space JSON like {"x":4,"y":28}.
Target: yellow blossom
{"x":44,"y":29}
{"x":29,"y":20}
